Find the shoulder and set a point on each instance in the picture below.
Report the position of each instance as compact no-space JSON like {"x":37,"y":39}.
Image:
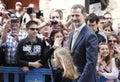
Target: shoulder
{"x":112,"y":62}
{"x":88,"y":31}
{"x":23,"y":32}
{"x":39,"y":39}
{"x":23,"y":41}
{"x":113,"y":59}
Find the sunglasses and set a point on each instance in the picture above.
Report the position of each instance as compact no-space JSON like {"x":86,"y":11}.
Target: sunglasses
{"x":108,"y":18}
{"x":34,"y":29}
{"x":107,"y":30}
{"x":112,"y":41}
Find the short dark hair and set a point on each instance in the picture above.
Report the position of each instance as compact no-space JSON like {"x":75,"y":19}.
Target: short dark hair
{"x":92,"y":18}
{"x":76,"y":6}
{"x":101,"y":17}
{"x":31,"y":23}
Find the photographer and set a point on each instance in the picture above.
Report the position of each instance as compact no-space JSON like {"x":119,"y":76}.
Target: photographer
{"x":32,"y":14}
{"x":54,"y":21}
{"x":10,"y":41}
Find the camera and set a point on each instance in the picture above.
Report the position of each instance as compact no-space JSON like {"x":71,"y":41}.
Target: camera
{"x":53,"y":21}
{"x":30,"y":10}
{"x":15,"y":20}
{"x":38,"y":13}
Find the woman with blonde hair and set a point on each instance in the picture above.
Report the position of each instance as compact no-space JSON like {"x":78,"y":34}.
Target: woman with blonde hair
{"x":64,"y":61}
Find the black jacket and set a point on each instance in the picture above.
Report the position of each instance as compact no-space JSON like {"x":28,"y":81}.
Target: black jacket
{"x":30,"y":52}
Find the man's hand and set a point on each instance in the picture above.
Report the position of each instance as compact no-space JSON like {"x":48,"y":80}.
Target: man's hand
{"x":37,"y":64}
{"x":25,"y":68}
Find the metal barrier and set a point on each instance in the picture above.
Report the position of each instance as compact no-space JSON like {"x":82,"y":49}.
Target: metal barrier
{"x":35,"y":75}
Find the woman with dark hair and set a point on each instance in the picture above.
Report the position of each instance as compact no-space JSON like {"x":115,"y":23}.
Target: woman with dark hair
{"x":113,"y":43}
{"x":55,"y":41}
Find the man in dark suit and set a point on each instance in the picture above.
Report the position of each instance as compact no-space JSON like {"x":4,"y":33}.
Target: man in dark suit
{"x":85,"y":49}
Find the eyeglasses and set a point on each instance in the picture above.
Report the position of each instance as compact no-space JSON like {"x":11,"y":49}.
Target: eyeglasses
{"x":112,"y":41}
{"x":34,"y":29}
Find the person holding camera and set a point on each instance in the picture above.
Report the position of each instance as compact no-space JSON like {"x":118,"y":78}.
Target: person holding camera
{"x":32,"y":14}
{"x":10,"y":38}
{"x":55,"y":20}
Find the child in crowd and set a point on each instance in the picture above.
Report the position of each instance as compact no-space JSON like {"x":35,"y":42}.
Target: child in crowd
{"x":64,"y":61}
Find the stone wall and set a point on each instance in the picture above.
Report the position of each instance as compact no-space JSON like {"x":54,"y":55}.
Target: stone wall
{"x":48,"y":5}
{"x":114,"y":8}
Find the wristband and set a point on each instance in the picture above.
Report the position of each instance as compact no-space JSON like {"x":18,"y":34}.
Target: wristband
{"x":32,"y":65}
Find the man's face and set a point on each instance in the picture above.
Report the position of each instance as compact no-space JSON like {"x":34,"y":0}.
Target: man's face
{"x":18,"y":7}
{"x":15,"y":28}
{"x":101,"y":23}
{"x":55,"y":16}
{"x":93,"y":25}
{"x":108,"y":18}
{"x":45,"y":31}
{"x":33,"y":30}
{"x":77,"y":17}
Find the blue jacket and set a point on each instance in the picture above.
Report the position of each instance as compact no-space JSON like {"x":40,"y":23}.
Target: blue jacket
{"x":85,"y":53}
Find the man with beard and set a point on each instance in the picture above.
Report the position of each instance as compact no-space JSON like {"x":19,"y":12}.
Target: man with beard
{"x":109,"y":19}
{"x":85,"y":47}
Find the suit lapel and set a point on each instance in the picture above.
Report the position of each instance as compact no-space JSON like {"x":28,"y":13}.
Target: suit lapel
{"x":80,"y":37}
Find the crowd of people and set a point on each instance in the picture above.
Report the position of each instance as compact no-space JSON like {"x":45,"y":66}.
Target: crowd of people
{"x":81,"y":49}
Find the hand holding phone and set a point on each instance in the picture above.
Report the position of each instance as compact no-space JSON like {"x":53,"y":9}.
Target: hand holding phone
{"x":15,"y":20}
